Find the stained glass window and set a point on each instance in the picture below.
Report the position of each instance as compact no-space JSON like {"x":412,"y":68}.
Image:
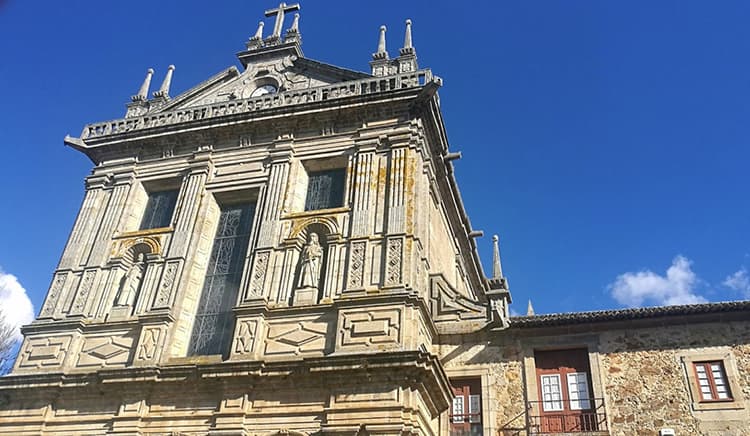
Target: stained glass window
{"x":213,"y":326}
{"x":159,"y":210}
{"x":325,"y":189}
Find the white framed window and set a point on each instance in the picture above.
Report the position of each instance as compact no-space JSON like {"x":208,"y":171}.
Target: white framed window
{"x":551,"y":393}
{"x":458,"y":409}
{"x":712,"y":381}
{"x":578,"y":391}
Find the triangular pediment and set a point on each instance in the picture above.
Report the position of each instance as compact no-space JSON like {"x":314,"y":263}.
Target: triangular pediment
{"x":285,"y":73}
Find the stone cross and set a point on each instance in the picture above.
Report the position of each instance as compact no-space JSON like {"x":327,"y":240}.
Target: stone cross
{"x":279,"y":12}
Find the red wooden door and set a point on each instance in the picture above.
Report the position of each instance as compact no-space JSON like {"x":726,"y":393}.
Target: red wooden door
{"x":565,"y":396}
{"x":466,"y":412}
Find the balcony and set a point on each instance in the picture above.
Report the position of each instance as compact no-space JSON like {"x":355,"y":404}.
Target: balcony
{"x":568,"y":421}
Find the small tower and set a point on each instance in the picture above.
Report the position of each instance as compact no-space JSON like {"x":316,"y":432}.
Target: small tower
{"x":380,"y":63}
{"x":407,"y":59}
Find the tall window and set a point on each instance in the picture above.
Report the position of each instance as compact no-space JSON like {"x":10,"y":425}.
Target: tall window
{"x":325,"y":189}
{"x":565,"y":400}
{"x":159,"y":209}
{"x":466,"y":413}
{"x":213,"y":326}
{"x":712,"y":381}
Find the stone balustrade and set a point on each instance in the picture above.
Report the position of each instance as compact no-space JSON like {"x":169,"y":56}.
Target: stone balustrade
{"x":293,"y":97}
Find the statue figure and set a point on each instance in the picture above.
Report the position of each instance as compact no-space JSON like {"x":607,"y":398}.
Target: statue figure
{"x":312,"y":256}
{"x":130,"y":283}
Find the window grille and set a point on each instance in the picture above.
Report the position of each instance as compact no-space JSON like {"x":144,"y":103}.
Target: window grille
{"x":159,"y":210}
{"x":325,"y":189}
{"x":213,"y":326}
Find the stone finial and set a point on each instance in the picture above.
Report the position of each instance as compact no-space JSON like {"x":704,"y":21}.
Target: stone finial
{"x":529,"y":309}
{"x":497,"y":269}
{"x":381,"y":53}
{"x":408,"y":48}
{"x":163,"y":91}
{"x":143,"y":92}
{"x":295,"y":25}
{"x":259,"y":32}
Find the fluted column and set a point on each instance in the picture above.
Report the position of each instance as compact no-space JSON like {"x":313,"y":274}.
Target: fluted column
{"x":191,"y":193}
{"x":118,"y":200}
{"x":88,"y":217}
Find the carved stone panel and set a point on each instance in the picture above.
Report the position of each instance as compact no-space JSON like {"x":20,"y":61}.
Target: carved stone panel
{"x":245,"y":338}
{"x":394,"y":254}
{"x":150,"y":344}
{"x":258,"y":278}
{"x":164,"y":294}
{"x":297,"y":337}
{"x":82,"y":295}
{"x":44,"y":352}
{"x":110,"y":350}
{"x":370,"y":328}
{"x":53,"y":297}
{"x":356,"y":264}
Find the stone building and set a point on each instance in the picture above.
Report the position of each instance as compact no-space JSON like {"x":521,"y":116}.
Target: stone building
{"x":282,"y":250}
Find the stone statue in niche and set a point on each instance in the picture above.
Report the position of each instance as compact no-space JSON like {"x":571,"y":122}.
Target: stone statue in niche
{"x":307,"y":290}
{"x":312,"y":256}
{"x":131,"y":283}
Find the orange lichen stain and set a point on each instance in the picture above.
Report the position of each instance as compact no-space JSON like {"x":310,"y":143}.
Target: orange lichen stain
{"x":409,"y":191}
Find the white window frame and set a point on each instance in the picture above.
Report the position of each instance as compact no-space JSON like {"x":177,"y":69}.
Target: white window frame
{"x":458,"y":409}
{"x":578,"y":396}
{"x":551,"y":405}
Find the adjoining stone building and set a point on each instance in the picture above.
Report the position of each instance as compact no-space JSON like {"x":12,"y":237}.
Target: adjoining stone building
{"x":282,"y":250}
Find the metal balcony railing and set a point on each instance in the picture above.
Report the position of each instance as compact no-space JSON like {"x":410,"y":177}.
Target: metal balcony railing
{"x":568,"y":420}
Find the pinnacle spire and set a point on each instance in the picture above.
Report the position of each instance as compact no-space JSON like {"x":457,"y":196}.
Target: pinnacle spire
{"x":295,"y":24}
{"x":259,"y":32}
{"x":163,"y":91}
{"x":529,"y":309}
{"x":381,"y":53}
{"x":408,"y":47}
{"x":143,"y":92}
{"x":497,"y":269}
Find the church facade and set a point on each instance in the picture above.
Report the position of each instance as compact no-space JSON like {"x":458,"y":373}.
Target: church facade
{"x":283,"y":250}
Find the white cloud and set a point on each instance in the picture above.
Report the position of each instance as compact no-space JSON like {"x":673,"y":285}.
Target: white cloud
{"x":739,"y":281}
{"x":635,"y":289}
{"x":14,"y":302}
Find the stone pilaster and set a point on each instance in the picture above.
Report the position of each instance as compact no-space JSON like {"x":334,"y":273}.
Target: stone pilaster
{"x":191,"y":193}
{"x":118,"y":199}
{"x":397,"y":191}
{"x":365,"y":191}
{"x":278,"y":176}
{"x":88,"y":218}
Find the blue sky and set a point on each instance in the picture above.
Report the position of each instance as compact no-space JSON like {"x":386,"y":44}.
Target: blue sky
{"x":605,"y":142}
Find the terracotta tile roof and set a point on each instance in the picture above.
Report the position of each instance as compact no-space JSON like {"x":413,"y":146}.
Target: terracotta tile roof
{"x":554,"y":319}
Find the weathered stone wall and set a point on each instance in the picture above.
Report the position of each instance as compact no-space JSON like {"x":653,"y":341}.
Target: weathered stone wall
{"x":647,"y":386}
{"x":641,"y":371}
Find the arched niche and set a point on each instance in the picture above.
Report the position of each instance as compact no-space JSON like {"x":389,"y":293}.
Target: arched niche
{"x":308,"y":290}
